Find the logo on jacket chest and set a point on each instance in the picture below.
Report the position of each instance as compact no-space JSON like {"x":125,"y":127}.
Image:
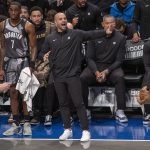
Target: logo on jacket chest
{"x":114,"y":43}
{"x":146,"y":6}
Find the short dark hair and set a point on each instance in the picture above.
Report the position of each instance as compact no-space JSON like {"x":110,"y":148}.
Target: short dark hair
{"x":120,"y":23}
{"x":50,"y":15}
{"x":36,"y":8}
{"x":108,"y":16}
{"x":25,"y":7}
{"x":15,"y":3}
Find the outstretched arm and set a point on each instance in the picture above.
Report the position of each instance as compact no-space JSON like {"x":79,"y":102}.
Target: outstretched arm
{"x":95,"y":34}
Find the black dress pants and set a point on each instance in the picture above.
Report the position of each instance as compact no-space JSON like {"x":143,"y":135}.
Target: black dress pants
{"x":50,"y":101}
{"x":116,"y":77}
{"x":71,"y":86}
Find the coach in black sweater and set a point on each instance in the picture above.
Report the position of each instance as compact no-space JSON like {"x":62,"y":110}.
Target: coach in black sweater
{"x":65,"y":56}
{"x":105,"y":56}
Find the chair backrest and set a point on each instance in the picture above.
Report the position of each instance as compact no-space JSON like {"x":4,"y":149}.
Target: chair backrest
{"x":134,"y":51}
{"x":133,"y":61}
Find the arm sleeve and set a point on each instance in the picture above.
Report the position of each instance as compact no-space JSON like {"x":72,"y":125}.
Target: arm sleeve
{"x":45,"y":48}
{"x":91,"y":56}
{"x":91,"y":35}
{"x":120,"y":56}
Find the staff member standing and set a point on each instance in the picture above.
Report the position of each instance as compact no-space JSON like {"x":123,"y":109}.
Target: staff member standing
{"x":65,"y":56}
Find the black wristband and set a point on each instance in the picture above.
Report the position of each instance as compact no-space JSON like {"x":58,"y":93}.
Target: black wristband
{"x":32,"y":64}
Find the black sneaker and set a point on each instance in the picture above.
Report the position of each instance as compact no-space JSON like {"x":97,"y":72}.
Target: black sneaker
{"x":10,"y":119}
{"x":146,"y":119}
{"x":22,"y":121}
{"x":34,"y":121}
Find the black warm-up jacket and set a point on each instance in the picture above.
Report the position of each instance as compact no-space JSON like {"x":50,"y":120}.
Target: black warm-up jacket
{"x":106,"y":52}
{"x":65,"y":47}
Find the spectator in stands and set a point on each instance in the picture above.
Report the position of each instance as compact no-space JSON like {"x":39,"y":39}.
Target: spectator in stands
{"x":105,"y":56}
{"x":43,"y":4}
{"x":124,"y":28}
{"x":84,"y":15}
{"x":50,"y":15}
{"x":123,"y":9}
{"x":15,"y":58}
{"x":2,"y":8}
{"x":24,"y":12}
{"x":140,"y":27}
{"x":4,"y":87}
{"x":105,"y":6}
{"x":61,"y":5}
{"x":4,"y":4}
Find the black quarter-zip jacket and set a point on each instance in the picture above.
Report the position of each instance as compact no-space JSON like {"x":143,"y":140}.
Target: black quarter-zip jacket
{"x":106,"y":52}
{"x":65,"y":48}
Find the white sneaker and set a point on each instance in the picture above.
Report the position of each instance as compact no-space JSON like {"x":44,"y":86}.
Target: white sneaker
{"x":27,"y":129}
{"x":67,"y":143}
{"x":66,"y":135}
{"x":13,"y":130}
{"x":85,"y":136}
{"x":120,"y":116}
{"x":86,"y":145}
